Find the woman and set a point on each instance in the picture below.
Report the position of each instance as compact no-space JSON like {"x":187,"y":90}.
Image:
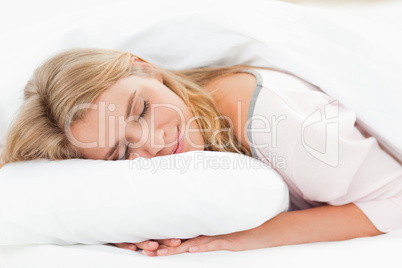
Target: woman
{"x":111,"y":105}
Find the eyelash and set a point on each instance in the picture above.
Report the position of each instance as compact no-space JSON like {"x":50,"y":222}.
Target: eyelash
{"x":146,"y":105}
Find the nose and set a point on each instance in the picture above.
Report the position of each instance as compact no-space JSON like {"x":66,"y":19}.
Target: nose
{"x":146,"y":142}
{"x":157,"y":142}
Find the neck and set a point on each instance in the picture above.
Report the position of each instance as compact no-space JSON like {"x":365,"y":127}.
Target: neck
{"x":232,"y":94}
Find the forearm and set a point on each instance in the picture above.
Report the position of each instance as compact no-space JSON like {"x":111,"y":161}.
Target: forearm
{"x":326,"y":223}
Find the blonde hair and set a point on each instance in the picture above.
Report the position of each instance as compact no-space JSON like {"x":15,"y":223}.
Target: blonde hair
{"x":77,"y":77}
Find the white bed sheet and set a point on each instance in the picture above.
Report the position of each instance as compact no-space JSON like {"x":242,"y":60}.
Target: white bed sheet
{"x":379,"y":251}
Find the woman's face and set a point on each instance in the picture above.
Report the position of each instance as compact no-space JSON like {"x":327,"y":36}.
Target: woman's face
{"x":136,"y":117}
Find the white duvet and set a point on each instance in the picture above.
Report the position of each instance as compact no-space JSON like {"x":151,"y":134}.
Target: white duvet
{"x":357,"y":62}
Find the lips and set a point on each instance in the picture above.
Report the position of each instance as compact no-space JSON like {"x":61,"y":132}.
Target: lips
{"x":179,"y":143}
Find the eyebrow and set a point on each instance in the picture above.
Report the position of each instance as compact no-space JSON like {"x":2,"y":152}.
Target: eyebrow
{"x":130,"y":103}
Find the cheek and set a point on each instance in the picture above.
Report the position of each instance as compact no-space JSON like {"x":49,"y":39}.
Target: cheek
{"x":195,"y":139}
{"x":84,"y":140}
{"x":169,"y":111}
{"x":81,"y":133}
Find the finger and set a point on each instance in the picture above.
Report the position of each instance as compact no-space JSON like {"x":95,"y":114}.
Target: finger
{"x":184,"y":247}
{"x":169,"y":242}
{"x":126,"y":246}
{"x":148,"y":245}
{"x":218,"y":244}
{"x":164,"y":251}
{"x":150,"y":253}
{"x":153,"y":253}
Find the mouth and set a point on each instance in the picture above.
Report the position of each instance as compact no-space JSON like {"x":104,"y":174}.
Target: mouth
{"x":179,"y":144}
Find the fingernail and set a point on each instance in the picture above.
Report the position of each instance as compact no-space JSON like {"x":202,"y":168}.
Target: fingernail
{"x":193,"y":249}
{"x":175,"y":241}
{"x":144,"y":252}
{"x":162,"y":251}
{"x":132,"y":247}
{"x":152,"y":244}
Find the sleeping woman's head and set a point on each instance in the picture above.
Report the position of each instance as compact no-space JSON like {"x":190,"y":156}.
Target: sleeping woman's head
{"x":111,"y":105}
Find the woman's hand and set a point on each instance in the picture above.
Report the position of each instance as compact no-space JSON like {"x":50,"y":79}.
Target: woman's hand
{"x":150,"y":245}
{"x":318,"y":224}
{"x":244,"y":240}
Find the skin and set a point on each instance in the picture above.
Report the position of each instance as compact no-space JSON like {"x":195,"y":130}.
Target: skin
{"x":150,"y":134}
{"x":325,"y":223}
{"x":153,"y":134}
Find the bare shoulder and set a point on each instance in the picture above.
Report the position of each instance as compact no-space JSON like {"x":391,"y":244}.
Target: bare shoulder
{"x":232,"y":94}
{"x":232,"y":87}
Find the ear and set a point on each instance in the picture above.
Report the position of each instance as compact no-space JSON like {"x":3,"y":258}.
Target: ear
{"x":135,"y":60}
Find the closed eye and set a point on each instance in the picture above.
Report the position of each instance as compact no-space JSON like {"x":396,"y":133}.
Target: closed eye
{"x":144,"y":111}
{"x":146,"y":105}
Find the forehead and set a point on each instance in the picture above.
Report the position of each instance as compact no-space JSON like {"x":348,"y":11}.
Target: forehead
{"x":110,"y":107}
{"x":112,"y":101}
{"x":90,"y":133}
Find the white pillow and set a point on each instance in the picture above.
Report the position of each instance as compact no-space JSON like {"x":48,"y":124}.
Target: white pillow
{"x":176,"y":196}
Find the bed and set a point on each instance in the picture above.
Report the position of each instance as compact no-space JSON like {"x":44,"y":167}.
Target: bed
{"x":359,"y":57}
{"x":381,"y":251}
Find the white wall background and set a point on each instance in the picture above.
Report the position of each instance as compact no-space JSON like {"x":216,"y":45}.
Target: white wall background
{"x":20,"y":13}
{"x":382,"y":11}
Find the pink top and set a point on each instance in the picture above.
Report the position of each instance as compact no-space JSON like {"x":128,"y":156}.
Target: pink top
{"x":323,"y":156}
